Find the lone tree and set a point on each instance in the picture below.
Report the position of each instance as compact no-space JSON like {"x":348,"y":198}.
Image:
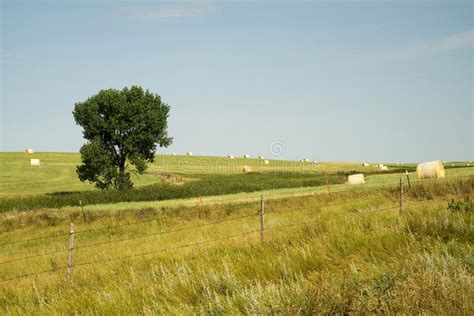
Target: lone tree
{"x":122,"y":129}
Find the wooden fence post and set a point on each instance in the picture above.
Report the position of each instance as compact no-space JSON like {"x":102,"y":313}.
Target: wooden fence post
{"x":70,"y":260}
{"x":327,"y":184}
{"x":401,"y":196}
{"x":408,"y":178}
{"x":262,"y":213}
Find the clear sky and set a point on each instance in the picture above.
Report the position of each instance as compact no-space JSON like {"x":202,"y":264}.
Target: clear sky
{"x":341,"y":80}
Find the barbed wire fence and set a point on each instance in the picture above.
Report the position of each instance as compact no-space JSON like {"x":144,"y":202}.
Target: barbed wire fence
{"x":259,"y":215}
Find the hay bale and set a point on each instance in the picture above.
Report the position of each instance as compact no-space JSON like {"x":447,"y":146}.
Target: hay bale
{"x":247,"y":169}
{"x":189,"y":153}
{"x":266,"y":162}
{"x":365,"y":164}
{"x":246,"y":156}
{"x":306,"y":160}
{"x":34,"y":162}
{"x":230,"y":157}
{"x":28,"y":151}
{"x":261,"y":157}
{"x":315,"y":162}
{"x":430,"y":169}
{"x":384,"y":168}
{"x":174,"y":154}
{"x":356,"y":179}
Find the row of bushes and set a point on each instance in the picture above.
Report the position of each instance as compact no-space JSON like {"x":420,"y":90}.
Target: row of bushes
{"x":205,"y":185}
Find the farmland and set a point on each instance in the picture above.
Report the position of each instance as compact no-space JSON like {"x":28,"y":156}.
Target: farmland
{"x":328,"y":247}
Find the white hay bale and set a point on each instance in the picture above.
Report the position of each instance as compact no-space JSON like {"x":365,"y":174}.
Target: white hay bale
{"x":246,"y":169}
{"x":261,"y":157}
{"x":384,"y":168}
{"x":28,"y":151}
{"x":306,"y":160}
{"x":266,"y":162}
{"x":230,"y":157}
{"x":34,"y":162}
{"x":430,"y":169}
{"x":365,"y":164}
{"x":315,"y":162}
{"x":174,"y":154}
{"x":246,"y":156}
{"x":356,"y":179}
{"x":189,"y":153}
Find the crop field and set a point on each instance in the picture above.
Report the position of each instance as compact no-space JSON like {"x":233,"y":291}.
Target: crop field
{"x":57,"y":172}
{"x":188,"y":239}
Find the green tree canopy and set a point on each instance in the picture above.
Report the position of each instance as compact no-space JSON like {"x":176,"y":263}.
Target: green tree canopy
{"x":122,"y":129}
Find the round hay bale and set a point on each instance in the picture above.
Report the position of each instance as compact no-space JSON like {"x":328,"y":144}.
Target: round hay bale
{"x":230,"y":157}
{"x":356,"y":179}
{"x":189,"y":153}
{"x":28,"y":151}
{"x":246,"y":156}
{"x":384,"y":168}
{"x":246,"y":169}
{"x":261,"y":157}
{"x":365,"y":164}
{"x":430,"y":169}
{"x":34,"y":162}
{"x":266,"y":162}
{"x":306,"y":160}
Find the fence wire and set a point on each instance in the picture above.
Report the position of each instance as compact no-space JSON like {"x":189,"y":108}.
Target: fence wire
{"x":274,"y":227}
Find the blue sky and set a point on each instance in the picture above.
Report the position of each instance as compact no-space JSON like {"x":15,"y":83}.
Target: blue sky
{"x":345,"y":81}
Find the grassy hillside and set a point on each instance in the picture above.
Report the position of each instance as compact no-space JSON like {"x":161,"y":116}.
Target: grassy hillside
{"x":30,"y":187}
{"x":348,"y":252}
{"x":57,"y":172}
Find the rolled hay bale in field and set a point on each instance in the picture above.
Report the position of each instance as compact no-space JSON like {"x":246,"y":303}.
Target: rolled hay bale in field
{"x":34,"y":162}
{"x":356,"y":179}
{"x":384,"y":168}
{"x":365,"y":164}
{"x":174,"y":154}
{"x":315,"y":162}
{"x":306,"y":160}
{"x":246,"y":169}
{"x":260,"y":157}
{"x":266,"y":162}
{"x":230,"y":157}
{"x":28,"y":151}
{"x":430,"y":169}
{"x":246,"y":156}
{"x":189,"y":153}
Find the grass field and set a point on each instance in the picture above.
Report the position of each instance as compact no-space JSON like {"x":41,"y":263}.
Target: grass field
{"x":328,"y":247}
{"x":57,"y":172}
{"x":365,"y":260}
